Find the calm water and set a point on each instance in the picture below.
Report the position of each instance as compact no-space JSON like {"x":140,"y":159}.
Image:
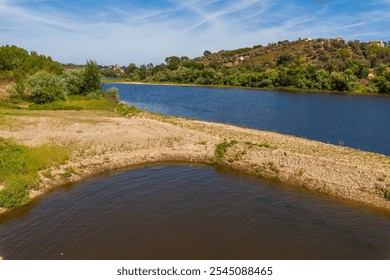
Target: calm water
{"x":190,"y":212}
{"x":361,"y":122}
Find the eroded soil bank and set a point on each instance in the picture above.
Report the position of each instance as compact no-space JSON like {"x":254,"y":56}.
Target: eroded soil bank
{"x":101,"y":141}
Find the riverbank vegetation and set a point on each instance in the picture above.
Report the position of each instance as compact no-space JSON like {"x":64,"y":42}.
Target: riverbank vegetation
{"x":30,"y":82}
{"x":40,"y":80}
{"x":19,"y":167}
{"x":320,"y":64}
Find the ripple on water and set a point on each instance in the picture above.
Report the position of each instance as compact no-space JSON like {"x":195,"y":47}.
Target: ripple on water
{"x":191,"y":212}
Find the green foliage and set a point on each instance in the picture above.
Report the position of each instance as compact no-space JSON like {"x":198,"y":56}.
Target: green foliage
{"x":12,"y":57}
{"x":90,"y":78}
{"x":45,"y":87}
{"x":96,"y":94}
{"x":74,"y":81}
{"x":387,"y":192}
{"x":381,"y":84}
{"x":235,"y":52}
{"x":83,"y":103}
{"x":19,"y":167}
{"x":18,"y":64}
{"x":173,"y":62}
{"x":260,"y":145}
{"x":112,"y":95}
{"x":320,"y":64}
{"x":221,"y":150}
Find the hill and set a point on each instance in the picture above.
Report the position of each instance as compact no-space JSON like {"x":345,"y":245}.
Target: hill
{"x":320,"y":64}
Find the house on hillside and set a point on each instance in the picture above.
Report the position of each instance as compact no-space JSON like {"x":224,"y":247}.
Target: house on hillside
{"x":379,"y":43}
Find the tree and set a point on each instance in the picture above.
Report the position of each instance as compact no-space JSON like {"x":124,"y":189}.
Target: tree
{"x":91,"y":77}
{"x":207,"y":53}
{"x":359,"y":69}
{"x":173,"y":62}
{"x":345,"y":54}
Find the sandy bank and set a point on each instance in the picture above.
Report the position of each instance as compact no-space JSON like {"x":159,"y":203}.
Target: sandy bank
{"x":105,"y":141}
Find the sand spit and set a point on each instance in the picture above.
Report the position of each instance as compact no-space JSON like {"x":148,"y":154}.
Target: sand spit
{"x":102,"y":141}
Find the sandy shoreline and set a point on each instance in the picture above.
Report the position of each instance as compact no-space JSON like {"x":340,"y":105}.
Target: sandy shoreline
{"x":102,"y":141}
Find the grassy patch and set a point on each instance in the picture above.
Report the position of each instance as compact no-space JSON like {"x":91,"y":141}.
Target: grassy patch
{"x":68,"y":173}
{"x":19,"y":167}
{"x":387,"y":192}
{"x":272,"y":166}
{"x":221,"y":150}
{"x":81,"y":103}
{"x":76,"y":103}
{"x":260,"y":145}
{"x":13,"y":103}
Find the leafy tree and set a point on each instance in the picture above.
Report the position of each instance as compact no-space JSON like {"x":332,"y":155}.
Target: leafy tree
{"x":345,"y":54}
{"x":173,"y":62}
{"x":358,"y":68}
{"x":206,"y":53}
{"x":91,"y":78}
{"x":381,"y":84}
{"x":285,"y":59}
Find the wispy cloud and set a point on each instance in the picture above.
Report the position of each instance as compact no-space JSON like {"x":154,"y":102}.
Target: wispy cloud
{"x":121,"y":31}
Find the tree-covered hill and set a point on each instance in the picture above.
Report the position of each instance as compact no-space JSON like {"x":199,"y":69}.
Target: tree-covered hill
{"x":320,"y":64}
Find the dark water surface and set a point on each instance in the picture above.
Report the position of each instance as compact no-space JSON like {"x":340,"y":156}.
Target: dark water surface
{"x":191,"y":212}
{"x":361,"y":122}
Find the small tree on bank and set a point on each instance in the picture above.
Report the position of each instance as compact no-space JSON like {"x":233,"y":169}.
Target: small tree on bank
{"x":91,"y":78}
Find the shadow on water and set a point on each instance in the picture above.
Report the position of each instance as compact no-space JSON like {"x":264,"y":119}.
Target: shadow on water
{"x":169,"y":211}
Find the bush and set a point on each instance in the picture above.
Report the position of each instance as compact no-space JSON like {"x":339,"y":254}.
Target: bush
{"x":45,"y":87}
{"x":112,"y":95}
{"x":96,"y":94}
{"x":74,"y":81}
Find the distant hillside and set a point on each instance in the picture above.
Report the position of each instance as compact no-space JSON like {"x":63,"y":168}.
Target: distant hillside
{"x":319,"y":64}
{"x":320,"y":52}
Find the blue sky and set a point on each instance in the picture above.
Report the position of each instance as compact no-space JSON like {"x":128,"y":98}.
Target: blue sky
{"x":121,"y":32}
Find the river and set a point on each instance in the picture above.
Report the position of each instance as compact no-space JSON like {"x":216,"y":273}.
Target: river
{"x":191,"y":212}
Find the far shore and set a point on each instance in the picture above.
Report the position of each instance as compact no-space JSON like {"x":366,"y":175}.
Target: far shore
{"x":295,"y":90}
{"x":102,"y":141}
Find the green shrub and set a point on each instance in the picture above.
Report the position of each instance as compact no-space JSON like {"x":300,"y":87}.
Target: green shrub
{"x":96,"y":94}
{"x":74,"y":81}
{"x":112,"y":95}
{"x":45,"y":87}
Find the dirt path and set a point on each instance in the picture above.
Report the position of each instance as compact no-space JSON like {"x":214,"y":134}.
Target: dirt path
{"x":104,"y":141}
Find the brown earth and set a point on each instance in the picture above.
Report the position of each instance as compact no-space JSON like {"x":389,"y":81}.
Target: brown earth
{"x":103,"y":141}
{"x":4,"y":90}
